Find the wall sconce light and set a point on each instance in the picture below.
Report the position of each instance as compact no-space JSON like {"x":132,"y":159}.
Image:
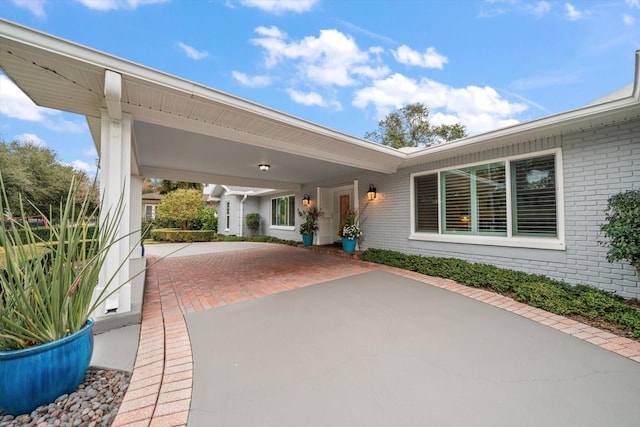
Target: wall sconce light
{"x":264,"y":167}
{"x":371,"y":194}
{"x":464,"y":217}
{"x":306,"y":200}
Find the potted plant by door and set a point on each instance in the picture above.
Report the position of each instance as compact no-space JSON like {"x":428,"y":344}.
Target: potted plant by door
{"x":350,"y":232}
{"x":309,"y":223}
{"x":47,"y":296}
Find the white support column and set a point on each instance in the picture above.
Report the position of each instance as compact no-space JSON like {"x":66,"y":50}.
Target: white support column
{"x":116,"y":181}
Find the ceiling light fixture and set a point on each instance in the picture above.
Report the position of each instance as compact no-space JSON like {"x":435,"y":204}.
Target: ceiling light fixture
{"x":264,"y":167}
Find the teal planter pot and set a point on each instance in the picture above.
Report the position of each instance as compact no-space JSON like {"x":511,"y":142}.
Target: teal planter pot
{"x":349,"y":245}
{"x":38,"y":375}
{"x":307,"y":239}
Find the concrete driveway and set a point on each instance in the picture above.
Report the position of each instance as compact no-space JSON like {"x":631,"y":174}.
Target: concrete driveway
{"x":377,"y":349}
{"x":270,"y":335}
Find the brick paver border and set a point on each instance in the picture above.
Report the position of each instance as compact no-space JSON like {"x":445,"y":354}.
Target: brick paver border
{"x":159,"y":393}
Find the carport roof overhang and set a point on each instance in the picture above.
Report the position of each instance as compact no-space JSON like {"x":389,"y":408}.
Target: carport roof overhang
{"x":186,"y":131}
{"x":183,"y":130}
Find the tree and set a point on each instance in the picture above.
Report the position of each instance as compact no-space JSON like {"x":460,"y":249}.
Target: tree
{"x":182,"y":206}
{"x":166,"y":186}
{"x":409,"y":127}
{"x":35,"y":174}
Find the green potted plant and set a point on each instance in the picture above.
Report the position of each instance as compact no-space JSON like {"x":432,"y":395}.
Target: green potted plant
{"x":47,"y":297}
{"x":350,"y":232}
{"x":253,"y":223}
{"x":309,"y":223}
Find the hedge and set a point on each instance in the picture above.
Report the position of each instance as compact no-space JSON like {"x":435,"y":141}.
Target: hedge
{"x":532,"y":289}
{"x":177,"y":235}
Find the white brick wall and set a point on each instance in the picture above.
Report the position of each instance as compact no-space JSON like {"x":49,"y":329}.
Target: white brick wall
{"x":596,"y":164}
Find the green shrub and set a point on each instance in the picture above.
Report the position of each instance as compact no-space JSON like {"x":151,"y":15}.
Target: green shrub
{"x":253,"y":222}
{"x":176,"y":235}
{"x":623,"y":228}
{"x":533,"y":289}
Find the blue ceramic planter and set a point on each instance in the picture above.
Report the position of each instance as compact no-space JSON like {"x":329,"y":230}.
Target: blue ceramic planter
{"x":307,"y":239}
{"x":38,"y":375}
{"x":349,"y":245}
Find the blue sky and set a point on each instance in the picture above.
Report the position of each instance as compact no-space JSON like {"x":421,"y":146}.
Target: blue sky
{"x":345,"y":64}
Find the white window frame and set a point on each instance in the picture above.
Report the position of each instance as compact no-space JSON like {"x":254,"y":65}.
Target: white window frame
{"x":227,"y":215}
{"x":153,"y":211}
{"x":280,"y":227}
{"x":551,"y":243}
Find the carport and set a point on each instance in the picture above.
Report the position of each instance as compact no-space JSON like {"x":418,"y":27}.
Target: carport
{"x":146,"y":123}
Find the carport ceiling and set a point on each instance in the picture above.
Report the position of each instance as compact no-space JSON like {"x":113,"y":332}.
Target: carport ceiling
{"x":182,"y":130}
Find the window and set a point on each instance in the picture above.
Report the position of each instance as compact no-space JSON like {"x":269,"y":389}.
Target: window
{"x":283,"y":211}
{"x":228,"y":215}
{"x":509,"y":199}
{"x":533,"y":195}
{"x":150,"y":212}
{"x":475,"y":200}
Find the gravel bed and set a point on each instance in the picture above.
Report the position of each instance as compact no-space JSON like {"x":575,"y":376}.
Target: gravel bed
{"x":95,"y":403}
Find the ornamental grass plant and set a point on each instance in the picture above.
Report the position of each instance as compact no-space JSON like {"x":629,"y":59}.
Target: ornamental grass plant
{"x":47,"y":285}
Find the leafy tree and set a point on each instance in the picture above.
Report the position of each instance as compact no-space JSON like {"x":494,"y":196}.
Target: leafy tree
{"x":182,"y":206}
{"x":166,"y":186}
{"x":623,"y":228}
{"x":409,"y":127}
{"x":35,"y":174}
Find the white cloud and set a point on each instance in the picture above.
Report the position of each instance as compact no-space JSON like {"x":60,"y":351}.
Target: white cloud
{"x":281,"y":6}
{"x":480,"y":109}
{"x":573,"y":14}
{"x":312,"y":98}
{"x":255,"y":81}
{"x":628,"y":20}
{"x":633,"y":3}
{"x":105,"y":5}
{"x":34,"y":6}
{"x":192,"y":52}
{"x":539,"y":9}
{"x":15,"y":104}
{"x":83,"y":166}
{"x":429,"y":59}
{"x":31,"y":138}
{"x":332,"y":58}
{"x":89,"y":152}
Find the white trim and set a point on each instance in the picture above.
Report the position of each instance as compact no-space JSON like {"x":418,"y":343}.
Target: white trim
{"x":519,"y":242}
{"x":556,"y":243}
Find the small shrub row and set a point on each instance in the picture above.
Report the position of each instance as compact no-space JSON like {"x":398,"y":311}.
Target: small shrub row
{"x":176,"y":235}
{"x":261,"y":239}
{"x":532,"y":289}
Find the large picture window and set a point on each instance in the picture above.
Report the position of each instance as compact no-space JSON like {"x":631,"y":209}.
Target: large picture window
{"x":511,"y":198}
{"x":283,"y":211}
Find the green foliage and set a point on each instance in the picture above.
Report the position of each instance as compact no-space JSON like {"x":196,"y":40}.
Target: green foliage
{"x":309,"y":217}
{"x":166,"y":186}
{"x":409,"y":127}
{"x":47,"y":288}
{"x":182,"y":206}
{"x":176,"y":235}
{"x":260,"y":239}
{"x":209,"y":219}
{"x":35,"y":174}
{"x":623,"y":228}
{"x":253,"y":222}
{"x":532,"y":289}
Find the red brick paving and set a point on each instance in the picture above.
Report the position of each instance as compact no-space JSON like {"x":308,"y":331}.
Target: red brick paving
{"x":160,"y":389}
